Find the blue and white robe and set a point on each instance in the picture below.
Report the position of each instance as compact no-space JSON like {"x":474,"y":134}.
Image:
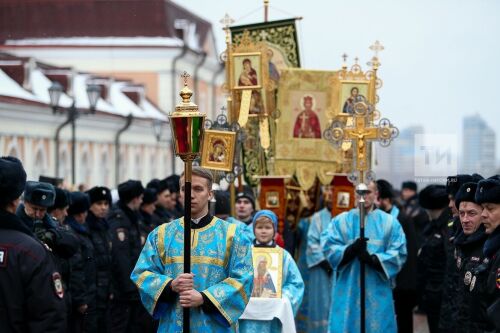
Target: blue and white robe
{"x":221,"y":259}
{"x":320,"y":284}
{"x":292,"y":288}
{"x":386,"y":241}
{"x":302,"y":318}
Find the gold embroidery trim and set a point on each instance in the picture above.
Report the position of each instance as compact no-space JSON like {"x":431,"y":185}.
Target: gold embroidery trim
{"x":238,"y":286}
{"x":229,"y":241}
{"x":142,"y":277}
{"x":219,"y":307}
{"x":161,"y":242}
{"x":158,"y":294}
{"x":195,"y":260}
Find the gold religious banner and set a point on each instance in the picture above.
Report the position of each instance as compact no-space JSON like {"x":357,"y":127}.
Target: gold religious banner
{"x":306,"y":107}
{"x":218,"y":150}
{"x":268,"y":272}
{"x":249,"y":74}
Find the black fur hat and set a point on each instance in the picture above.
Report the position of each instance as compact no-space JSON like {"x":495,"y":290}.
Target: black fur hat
{"x":39,"y":193}
{"x":488,"y":190}
{"x":129,"y":190}
{"x":12,"y":179}
{"x":433,"y":197}
{"x":79,"y":203}
{"x":150,"y":196}
{"x":385,"y":190}
{"x":62,"y":200}
{"x":99,"y":193}
{"x":467,"y":192}
{"x":453,"y":183}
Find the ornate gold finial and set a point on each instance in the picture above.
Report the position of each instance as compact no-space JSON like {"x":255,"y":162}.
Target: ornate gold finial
{"x":344,"y":64}
{"x":377,"y":47}
{"x":226,"y":21}
{"x":186,"y":93}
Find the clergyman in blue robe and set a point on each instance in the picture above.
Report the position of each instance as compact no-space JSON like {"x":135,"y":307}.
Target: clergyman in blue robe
{"x":383,"y":254}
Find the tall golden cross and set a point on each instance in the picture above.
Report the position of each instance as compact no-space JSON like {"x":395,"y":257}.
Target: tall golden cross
{"x":361,"y":133}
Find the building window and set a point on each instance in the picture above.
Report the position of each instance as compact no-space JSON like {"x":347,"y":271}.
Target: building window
{"x":104,"y":172}
{"x":153,"y":165}
{"x":39,"y":165}
{"x":138,"y":166}
{"x":84,"y":174}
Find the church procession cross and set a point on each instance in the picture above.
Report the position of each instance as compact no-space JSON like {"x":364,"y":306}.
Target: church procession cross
{"x":361,"y":132}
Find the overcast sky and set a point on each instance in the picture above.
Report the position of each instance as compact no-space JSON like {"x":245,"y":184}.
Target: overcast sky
{"x":441,"y":60}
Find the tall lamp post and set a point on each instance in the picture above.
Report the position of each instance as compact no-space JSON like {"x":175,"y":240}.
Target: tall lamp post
{"x":187,"y":133}
{"x":55,"y":92}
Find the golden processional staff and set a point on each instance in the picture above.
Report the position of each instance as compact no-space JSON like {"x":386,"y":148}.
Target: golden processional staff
{"x":361,"y":133}
{"x":187,"y":133}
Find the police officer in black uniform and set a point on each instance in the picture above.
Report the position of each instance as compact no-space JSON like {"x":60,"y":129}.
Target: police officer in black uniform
{"x":100,"y":202}
{"x":127,"y":313}
{"x":468,"y":253}
{"x":485,"y":283}
{"x":149,"y":219}
{"x":59,"y":210}
{"x":431,"y":262}
{"x":83,"y":279}
{"x":31,"y":292}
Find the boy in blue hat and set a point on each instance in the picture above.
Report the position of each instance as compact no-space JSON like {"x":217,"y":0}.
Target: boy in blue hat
{"x":265,"y":225}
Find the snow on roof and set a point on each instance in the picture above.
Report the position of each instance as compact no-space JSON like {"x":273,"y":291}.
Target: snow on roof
{"x":9,"y":87}
{"x":99,"y":41}
{"x":40,"y":85}
{"x":118,"y":104}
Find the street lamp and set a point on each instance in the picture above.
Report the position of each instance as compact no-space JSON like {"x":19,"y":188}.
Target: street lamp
{"x":55,"y":92}
{"x":187,"y":133}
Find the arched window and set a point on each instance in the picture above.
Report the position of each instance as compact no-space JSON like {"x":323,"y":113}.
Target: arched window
{"x":84,"y":168}
{"x":104,"y":171}
{"x":138,"y":166}
{"x":122,"y":167}
{"x":153,"y":165}
{"x":39,"y":164}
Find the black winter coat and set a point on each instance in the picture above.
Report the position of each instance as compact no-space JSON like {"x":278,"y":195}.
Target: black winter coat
{"x":485,"y":286}
{"x":31,"y":292}
{"x":99,"y":234}
{"x":469,"y":255}
{"x":125,"y":232}
{"x":432,"y":263}
{"x":83,"y":268}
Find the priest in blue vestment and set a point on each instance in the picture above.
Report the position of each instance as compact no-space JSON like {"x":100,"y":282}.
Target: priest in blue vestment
{"x":320,"y":270}
{"x":383,"y":250}
{"x":221,"y":281}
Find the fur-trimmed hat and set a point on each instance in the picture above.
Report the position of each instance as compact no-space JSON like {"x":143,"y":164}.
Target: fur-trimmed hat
{"x":467,"y":192}
{"x":62,"y":200}
{"x":453,"y":183}
{"x":434,"y":197}
{"x":129,"y":190}
{"x":12,"y":179}
{"x":411,"y":185}
{"x":385,"y":190}
{"x":150,"y":196}
{"x":79,"y":203}
{"x":99,"y":193}
{"x":488,"y":190}
{"x":39,"y":194}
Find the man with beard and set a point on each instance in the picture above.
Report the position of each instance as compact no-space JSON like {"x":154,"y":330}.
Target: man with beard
{"x":320,"y":271}
{"x":405,"y":292}
{"x":100,"y":201}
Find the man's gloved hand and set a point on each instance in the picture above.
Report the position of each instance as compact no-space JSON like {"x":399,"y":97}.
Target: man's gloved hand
{"x":354,"y":250}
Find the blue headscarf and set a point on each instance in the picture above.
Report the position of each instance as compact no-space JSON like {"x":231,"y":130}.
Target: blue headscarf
{"x":266,"y":213}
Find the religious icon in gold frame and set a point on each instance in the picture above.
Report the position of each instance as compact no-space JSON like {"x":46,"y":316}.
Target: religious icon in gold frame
{"x":352,"y":92}
{"x":268,"y":272}
{"x":247,"y":70}
{"x":343,"y":199}
{"x":272,"y":199}
{"x":218,"y":150}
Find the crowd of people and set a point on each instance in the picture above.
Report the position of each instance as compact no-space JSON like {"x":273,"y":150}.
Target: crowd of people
{"x":105,"y":260}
